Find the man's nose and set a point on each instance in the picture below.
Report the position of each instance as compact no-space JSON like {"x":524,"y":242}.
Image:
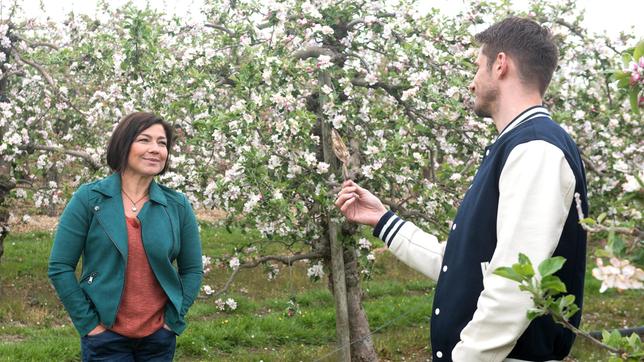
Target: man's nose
{"x":471,"y":87}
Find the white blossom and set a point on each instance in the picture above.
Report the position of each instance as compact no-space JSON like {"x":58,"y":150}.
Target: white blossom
{"x":234,"y":263}
{"x":365,"y":244}
{"x":231,"y":303}
{"x":207,"y":289}
{"x":316,"y":271}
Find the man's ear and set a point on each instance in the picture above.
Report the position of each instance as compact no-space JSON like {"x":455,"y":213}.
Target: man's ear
{"x":501,"y":64}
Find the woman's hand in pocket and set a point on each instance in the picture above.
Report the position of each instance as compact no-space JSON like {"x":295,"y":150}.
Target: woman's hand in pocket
{"x":97,"y":330}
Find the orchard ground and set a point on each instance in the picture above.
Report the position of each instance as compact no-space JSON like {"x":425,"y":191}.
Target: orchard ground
{"x":35,"y":327}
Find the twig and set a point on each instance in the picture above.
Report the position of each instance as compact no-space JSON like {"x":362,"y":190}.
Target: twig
{"x":599,"y":228}
{"x":341,"y":152}
{"x":591,"y":165}
{"x":586,"y":335}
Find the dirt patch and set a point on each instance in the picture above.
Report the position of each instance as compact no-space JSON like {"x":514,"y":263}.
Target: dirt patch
{"x":35,"y":223}
{"x":11,"y":338}
{"x":48,"y":223}
{"x":209,"y":216}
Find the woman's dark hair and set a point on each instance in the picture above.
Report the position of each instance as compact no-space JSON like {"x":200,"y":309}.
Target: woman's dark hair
{"x":118,"y":148}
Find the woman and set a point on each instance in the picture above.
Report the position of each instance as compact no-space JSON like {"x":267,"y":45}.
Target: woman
{"x":130,"y":302}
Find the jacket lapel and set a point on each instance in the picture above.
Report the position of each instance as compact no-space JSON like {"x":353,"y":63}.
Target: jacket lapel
{"x":109,"y":211}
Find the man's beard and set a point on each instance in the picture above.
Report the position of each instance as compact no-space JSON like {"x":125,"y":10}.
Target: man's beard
{"x":484,"y":106}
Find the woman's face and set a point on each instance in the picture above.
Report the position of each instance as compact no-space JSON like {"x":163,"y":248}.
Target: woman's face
{"x":148,"y":152}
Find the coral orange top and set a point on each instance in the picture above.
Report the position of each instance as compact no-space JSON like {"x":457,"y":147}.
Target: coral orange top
{"x":142,"y":304}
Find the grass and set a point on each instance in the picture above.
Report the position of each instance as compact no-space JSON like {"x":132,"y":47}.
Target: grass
{"x":34,"y":326}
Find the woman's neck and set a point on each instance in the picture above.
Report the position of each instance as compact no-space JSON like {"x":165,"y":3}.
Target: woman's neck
{"x":135,"y":185}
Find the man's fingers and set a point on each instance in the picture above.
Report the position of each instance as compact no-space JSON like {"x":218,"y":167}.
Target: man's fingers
{"x":348,"y":183}
{"x":346,"y":205}
{"x":343,"y":198}
{"x":348,"y":190}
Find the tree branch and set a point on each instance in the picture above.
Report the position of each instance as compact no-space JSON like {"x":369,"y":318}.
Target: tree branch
{"x":313,"y":52}
{"x":10,"y":73}
{"x":287,"y":260}
{"x":220,"y":27}
{"x":80,"y":154}
{"x":355,"y":22}
{"x":48,"y":78}
{"x":36,"y":66}
{"x":598,"y":228}
{"x":586,"y":335}
{"x":591,"y":165}
{"x":284,"y":259}
{"x":36,"y":44}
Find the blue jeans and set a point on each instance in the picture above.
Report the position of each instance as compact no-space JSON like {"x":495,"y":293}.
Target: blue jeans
{"x":111,"y":346}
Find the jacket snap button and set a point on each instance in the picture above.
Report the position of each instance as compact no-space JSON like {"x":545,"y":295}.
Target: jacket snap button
{"x":439,"y":354}
{"x":487,"y":152}
{"x":437,"y":311}
{"x":454,"y":227}
{"x":96,"y":208}
{"x":444,"y":268}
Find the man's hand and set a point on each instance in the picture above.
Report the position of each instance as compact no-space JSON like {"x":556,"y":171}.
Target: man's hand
{"x":359,"y":205}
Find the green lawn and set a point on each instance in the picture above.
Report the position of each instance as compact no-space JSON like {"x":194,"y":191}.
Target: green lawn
{"x":34,"y":326}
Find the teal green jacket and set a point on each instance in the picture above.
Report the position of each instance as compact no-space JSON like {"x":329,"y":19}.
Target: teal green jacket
{"x":93,"y":226}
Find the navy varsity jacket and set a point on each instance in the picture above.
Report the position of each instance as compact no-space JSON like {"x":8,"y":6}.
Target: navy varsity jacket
{"x":520,"y":201}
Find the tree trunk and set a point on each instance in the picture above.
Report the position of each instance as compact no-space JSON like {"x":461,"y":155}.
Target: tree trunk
{"x":362,"y":349}
{"x":5,"y":187}
{"x":337,"y":260}
{"x":5,"y":175}
{"x":52,"y":175}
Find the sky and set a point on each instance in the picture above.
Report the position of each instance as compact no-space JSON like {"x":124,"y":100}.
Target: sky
{"x":611,"y":16}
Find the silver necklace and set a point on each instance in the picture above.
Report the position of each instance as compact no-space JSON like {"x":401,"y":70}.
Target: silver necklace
{"x":133,"y":208}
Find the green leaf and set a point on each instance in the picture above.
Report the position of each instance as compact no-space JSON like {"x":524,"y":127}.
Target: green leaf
{"x":623,"y":83}
{"x":588,"y":221}
{"x":620,"y":74}
{"x":601,"y":217}
{"x":523,"y":259}
{"x":508,"y":273}
{"x":639,"y":51}
{"x":525,"y":270}
{"x":605,"y":335}
{"x":551,"y":265}
{"x":634,"y":342}
{"x":571,"y":311}
{"x":612,"y":339}
{"x":633,"y":99}
{"x":553,"y":284}
{"x":534,"y":313}
{"x":626,"y":59}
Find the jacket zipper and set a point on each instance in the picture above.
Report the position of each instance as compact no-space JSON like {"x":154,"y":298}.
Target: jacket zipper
{"x":90,"y":280}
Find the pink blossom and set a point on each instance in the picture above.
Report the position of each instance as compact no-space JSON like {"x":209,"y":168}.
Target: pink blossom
{"x":619,"y":274}
{"x":635,"y":77}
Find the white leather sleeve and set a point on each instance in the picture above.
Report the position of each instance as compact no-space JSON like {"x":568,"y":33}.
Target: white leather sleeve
{"x":417,"y":249}
{"x":536,"y":188}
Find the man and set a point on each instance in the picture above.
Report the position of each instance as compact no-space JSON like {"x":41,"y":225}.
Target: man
{"x":520,"y":201}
